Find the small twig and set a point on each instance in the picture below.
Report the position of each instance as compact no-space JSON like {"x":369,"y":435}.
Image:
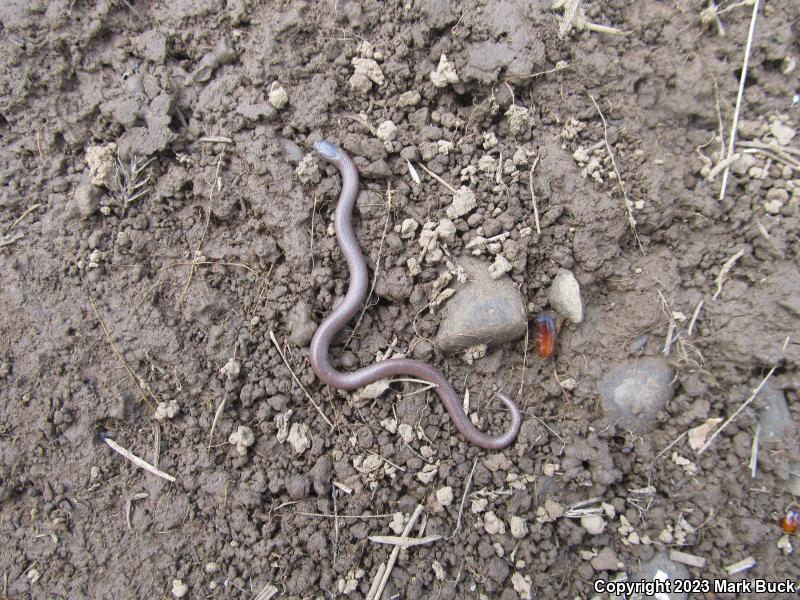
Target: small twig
{"x":311,"y":248}
{"x":560,"y":66}
{"x":671,"y":327}
{"x":772,"y":155}
{"x":402,"y":541}
{"x":463,"y":500}
{"x":156,"y":444}
{"x":139,"y":15}
{"x":217,"y":415}
{"x":129,"y":506}
{"x":216,"y":184}
{"x":335,"y":524}
{"x":723,"y":272}
{"x":216,"y":139}
{"x":437,"y":178}
{"x":28,"y":211}
{"x":662,"y":453}
{"x":744,"y":405}
{"x":7,"y":240}
{"x":597,"y":28}
{"x":687,"y":559}
{"x":695,"y":314}
{"x":393,"y":557}
{"x":725,"y":163}
{"x":754,"y":452}
{"x":376,"y":581}
{"x":387,"y":461}
{"x":302,"y":387}
{"x":139,"y":462}
{"x":745,"y":563}
{"x":142,"y":384}
{"x":739,"y":96}
{"x":524,"y":360}
{"x":787,"y":150}
{"x":533,"y":195}
{"x":198,"y":263}
{"x":628,"y":203}
{"x":327,"y":516}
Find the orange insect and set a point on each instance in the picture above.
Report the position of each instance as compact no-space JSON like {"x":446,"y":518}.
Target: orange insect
{"x":546,"y":334}
{"x":790,"y":521}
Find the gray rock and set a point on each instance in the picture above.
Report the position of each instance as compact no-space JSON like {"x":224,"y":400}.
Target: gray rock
{"x":565,"y":296}
{"x":153,"y":46}
{"x":794,"y":478}
{"x":482,"y":311}
{"x":660,"y":567}
{"x":301,"y":325}
{"x":254,"y":112}
{"x":775,"y":418}
{"x":634,"y":391}
{"x":606,"y":560}
{"x":85,"y":199}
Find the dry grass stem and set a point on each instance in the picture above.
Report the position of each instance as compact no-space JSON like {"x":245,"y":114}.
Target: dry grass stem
{"x":139,"y":462}
{"x":7,"y":240}
{"x":386,"y":460}
{"x":739,"y":96}
{"x":302,"y":387}
{"x":754,"y":452}
{"x":533,"y":195}
{"x":371,"y":594}
{"x":402,"y":541}
{"x":142,"y":384}
{"x":268,"y":592}
{"x":742,"y":565}
{"x":724,"y":270}
{"x":129,"y":507}
{"x":693,"y":320}
{"x":28,"y":211}
{"x":687,"y":559}
{"x":628,"y":203}
{"x":197,"y":257}
{"x":735,"y":414}
{"x":217,"y":415}
{"x":524,"y":359}
{"x":414,"y":175}
{"x":327,"y":516}
{"x":156,"y":444}
{"x":451,"y":189}
{"x":662,"y":453}
{"x":774,"y":155}
{"x":467,"y":486}
{"x":376,"y":591}
{"x":216,"y":139}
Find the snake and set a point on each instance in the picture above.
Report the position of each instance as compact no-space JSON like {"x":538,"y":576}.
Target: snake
{"x":319,"y":350}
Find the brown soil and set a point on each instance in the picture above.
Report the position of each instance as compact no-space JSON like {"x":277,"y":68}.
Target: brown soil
{"x":104,"y":315}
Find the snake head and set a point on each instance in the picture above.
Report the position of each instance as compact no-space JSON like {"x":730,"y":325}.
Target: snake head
{"x":326,"y":149}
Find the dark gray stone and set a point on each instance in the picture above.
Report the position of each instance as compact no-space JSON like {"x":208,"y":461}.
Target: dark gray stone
{"x":775,"y":418}
{"x":482,"y":311}
{"x":634,"y":391}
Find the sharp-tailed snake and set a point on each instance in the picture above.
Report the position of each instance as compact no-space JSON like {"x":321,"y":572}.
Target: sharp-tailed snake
{"x":352,"y":303}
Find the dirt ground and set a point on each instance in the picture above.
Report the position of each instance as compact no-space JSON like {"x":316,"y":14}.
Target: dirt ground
{"x":151,"y":276}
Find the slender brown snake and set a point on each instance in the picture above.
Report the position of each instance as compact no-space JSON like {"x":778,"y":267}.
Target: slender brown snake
{"x":352,"y":303}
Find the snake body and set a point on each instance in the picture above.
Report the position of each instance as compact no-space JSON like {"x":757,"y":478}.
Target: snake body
{"x":352,"y":303}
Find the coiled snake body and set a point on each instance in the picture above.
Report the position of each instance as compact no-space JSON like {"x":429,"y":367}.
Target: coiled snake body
{"x":352,"y":303}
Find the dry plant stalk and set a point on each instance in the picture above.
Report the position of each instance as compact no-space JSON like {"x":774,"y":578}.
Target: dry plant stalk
{"x":739,"y":95}
{"x":139,"y":462}
{"x":628,"y":203}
